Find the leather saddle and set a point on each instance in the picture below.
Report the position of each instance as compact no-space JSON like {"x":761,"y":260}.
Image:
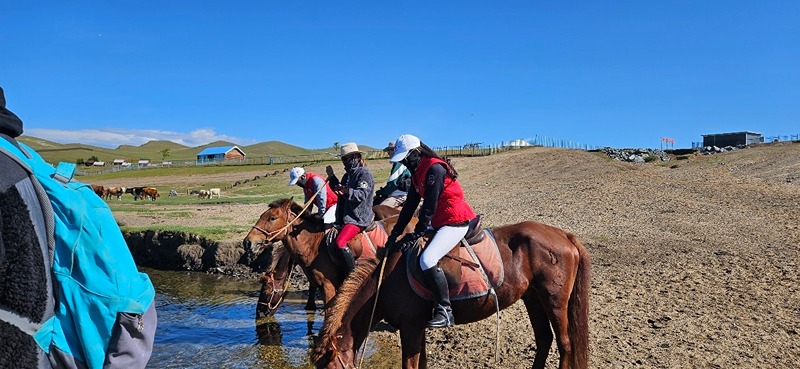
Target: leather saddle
{"x":359,"y":245}
{"x":452,"y":262}
{"x":475,"y":233}
{"x":463,"y":274}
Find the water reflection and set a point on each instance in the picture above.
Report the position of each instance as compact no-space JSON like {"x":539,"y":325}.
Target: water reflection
{"x":208,"y":321}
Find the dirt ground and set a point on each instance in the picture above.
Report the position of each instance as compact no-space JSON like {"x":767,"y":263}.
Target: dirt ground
{"x":694,"y":262}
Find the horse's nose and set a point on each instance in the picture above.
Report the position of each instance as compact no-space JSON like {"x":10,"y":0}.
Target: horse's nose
{"x":246,"y":243}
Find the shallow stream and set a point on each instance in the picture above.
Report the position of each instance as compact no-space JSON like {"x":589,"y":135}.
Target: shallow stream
{"x":208,"y":321}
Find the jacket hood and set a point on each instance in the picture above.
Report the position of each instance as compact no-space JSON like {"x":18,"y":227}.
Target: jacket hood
{"x":10,"y":124}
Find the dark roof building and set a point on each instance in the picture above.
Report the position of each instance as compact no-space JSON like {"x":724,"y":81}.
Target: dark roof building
{"x":732,"y":139}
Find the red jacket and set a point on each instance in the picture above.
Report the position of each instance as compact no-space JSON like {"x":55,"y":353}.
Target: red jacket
{"x":451,"y":207}
{"x":309,"y":190}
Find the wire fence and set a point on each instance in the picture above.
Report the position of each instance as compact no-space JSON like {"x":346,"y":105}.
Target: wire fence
{"x":469,"y":149}
{"x":775,"y":138}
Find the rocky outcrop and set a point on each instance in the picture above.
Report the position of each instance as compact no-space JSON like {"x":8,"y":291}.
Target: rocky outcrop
{"x":169,"y":250}
{"x":635,"y":155}
{"x":715,"y":150}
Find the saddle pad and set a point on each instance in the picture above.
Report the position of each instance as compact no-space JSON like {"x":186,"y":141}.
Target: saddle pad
{"x":472,"y":283}
{"x":378,"y":236}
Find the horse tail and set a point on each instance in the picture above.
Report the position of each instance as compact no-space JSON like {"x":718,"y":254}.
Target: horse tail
{"x":578,"y":309}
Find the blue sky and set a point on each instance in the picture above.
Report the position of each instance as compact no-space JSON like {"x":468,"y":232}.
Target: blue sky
{"x":619,"y":74}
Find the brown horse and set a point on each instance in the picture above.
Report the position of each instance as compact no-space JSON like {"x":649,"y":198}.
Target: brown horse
{"x":546,"y":267}
{"x":301,"y":241}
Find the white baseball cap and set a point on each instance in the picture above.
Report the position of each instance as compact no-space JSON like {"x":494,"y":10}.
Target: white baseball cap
{"x":403,"y":145}
{"x":295,"y":174}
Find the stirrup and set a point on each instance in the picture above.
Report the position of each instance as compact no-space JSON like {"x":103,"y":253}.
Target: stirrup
{"x":442,"y":317}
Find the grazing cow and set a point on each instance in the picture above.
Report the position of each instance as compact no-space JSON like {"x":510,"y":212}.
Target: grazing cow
{"x":214,"y":191}
{"x":115,"y":191}
{"x":98,"y":190}
{"x":149,"y":193}
{"x":194,"y":192}
{"x":204,"y":194}
{"x":135,"y":191}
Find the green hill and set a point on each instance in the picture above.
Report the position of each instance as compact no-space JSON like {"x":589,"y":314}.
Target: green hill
{"x":153,"y":150}
{"x":274,"y":148}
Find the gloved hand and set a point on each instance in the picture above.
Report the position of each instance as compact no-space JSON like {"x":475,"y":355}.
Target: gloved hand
{"x":408,"y":241}
{"x":330,"y":237}
{"x":391,"y":243}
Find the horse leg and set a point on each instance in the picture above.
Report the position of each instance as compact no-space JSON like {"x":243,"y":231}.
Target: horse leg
{"x":555,"y":301}
{"x":412,"y":341}
{"x":541,"y":329}
{"x":311,"y":304}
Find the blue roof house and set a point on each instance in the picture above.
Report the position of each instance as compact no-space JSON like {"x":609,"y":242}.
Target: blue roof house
{"x":221,"y":153}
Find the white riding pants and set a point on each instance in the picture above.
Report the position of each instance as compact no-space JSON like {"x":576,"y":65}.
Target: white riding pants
{"x":445,"y":239}
{"x":330,"y":215}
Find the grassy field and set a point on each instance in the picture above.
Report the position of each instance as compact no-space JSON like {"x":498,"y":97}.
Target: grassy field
{"x":227,"y":226}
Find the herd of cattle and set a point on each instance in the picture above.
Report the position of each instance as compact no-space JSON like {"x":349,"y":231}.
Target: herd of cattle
{"x":148,"y":193}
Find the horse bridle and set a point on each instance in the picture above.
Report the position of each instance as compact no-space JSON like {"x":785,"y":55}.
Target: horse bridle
{"x":271,"y":235}
{"x":339,"y":356}
{"x":281,"y":291}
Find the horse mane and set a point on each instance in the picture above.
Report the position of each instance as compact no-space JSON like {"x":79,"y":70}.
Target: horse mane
{"x":297,"y":208}
{"x":348,"y":294}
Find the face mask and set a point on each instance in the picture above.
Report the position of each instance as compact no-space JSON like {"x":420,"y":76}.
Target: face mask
{"x":411,"y":161}
{"x":351,"y":162}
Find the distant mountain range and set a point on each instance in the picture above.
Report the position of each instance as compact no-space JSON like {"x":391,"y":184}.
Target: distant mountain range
{"x":154,"y":150}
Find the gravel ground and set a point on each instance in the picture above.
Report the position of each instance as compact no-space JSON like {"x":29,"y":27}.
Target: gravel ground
{"x":694,"y":261}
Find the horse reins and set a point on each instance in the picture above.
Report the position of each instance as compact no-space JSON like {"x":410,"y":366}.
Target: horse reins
{"x":338,"y":355}
{"x":374,"y":306}
{"x":271,"y":235}
{"x":282,"y":291}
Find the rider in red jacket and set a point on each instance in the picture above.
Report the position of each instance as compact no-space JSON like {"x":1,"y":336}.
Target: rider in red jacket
{"x":312,"y":184}
{"x":434,"y":180}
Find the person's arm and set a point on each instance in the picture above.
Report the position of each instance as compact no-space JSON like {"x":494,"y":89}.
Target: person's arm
{"x":409,"y":207}
{"x":322,"y":195}
{"x":333,"y":181}
{"x":434,"y":184}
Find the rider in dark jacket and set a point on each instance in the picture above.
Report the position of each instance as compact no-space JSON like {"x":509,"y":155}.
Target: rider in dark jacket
{"x":354,"y":208}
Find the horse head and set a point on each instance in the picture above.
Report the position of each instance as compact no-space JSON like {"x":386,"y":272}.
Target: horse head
{"x":273,"y":287}
{"x":273,"y":225}
{"x":328,"y":356}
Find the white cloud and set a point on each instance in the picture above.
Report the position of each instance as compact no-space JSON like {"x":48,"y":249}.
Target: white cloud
{"x":113,"y":137}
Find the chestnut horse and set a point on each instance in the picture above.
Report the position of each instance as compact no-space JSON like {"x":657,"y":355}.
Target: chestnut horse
{"x":546,"y":267}
{"x":301,"y":239}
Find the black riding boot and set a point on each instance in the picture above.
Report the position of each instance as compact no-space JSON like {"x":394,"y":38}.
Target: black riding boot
{"x":349,"y":261}
{"x":437,"y":282}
